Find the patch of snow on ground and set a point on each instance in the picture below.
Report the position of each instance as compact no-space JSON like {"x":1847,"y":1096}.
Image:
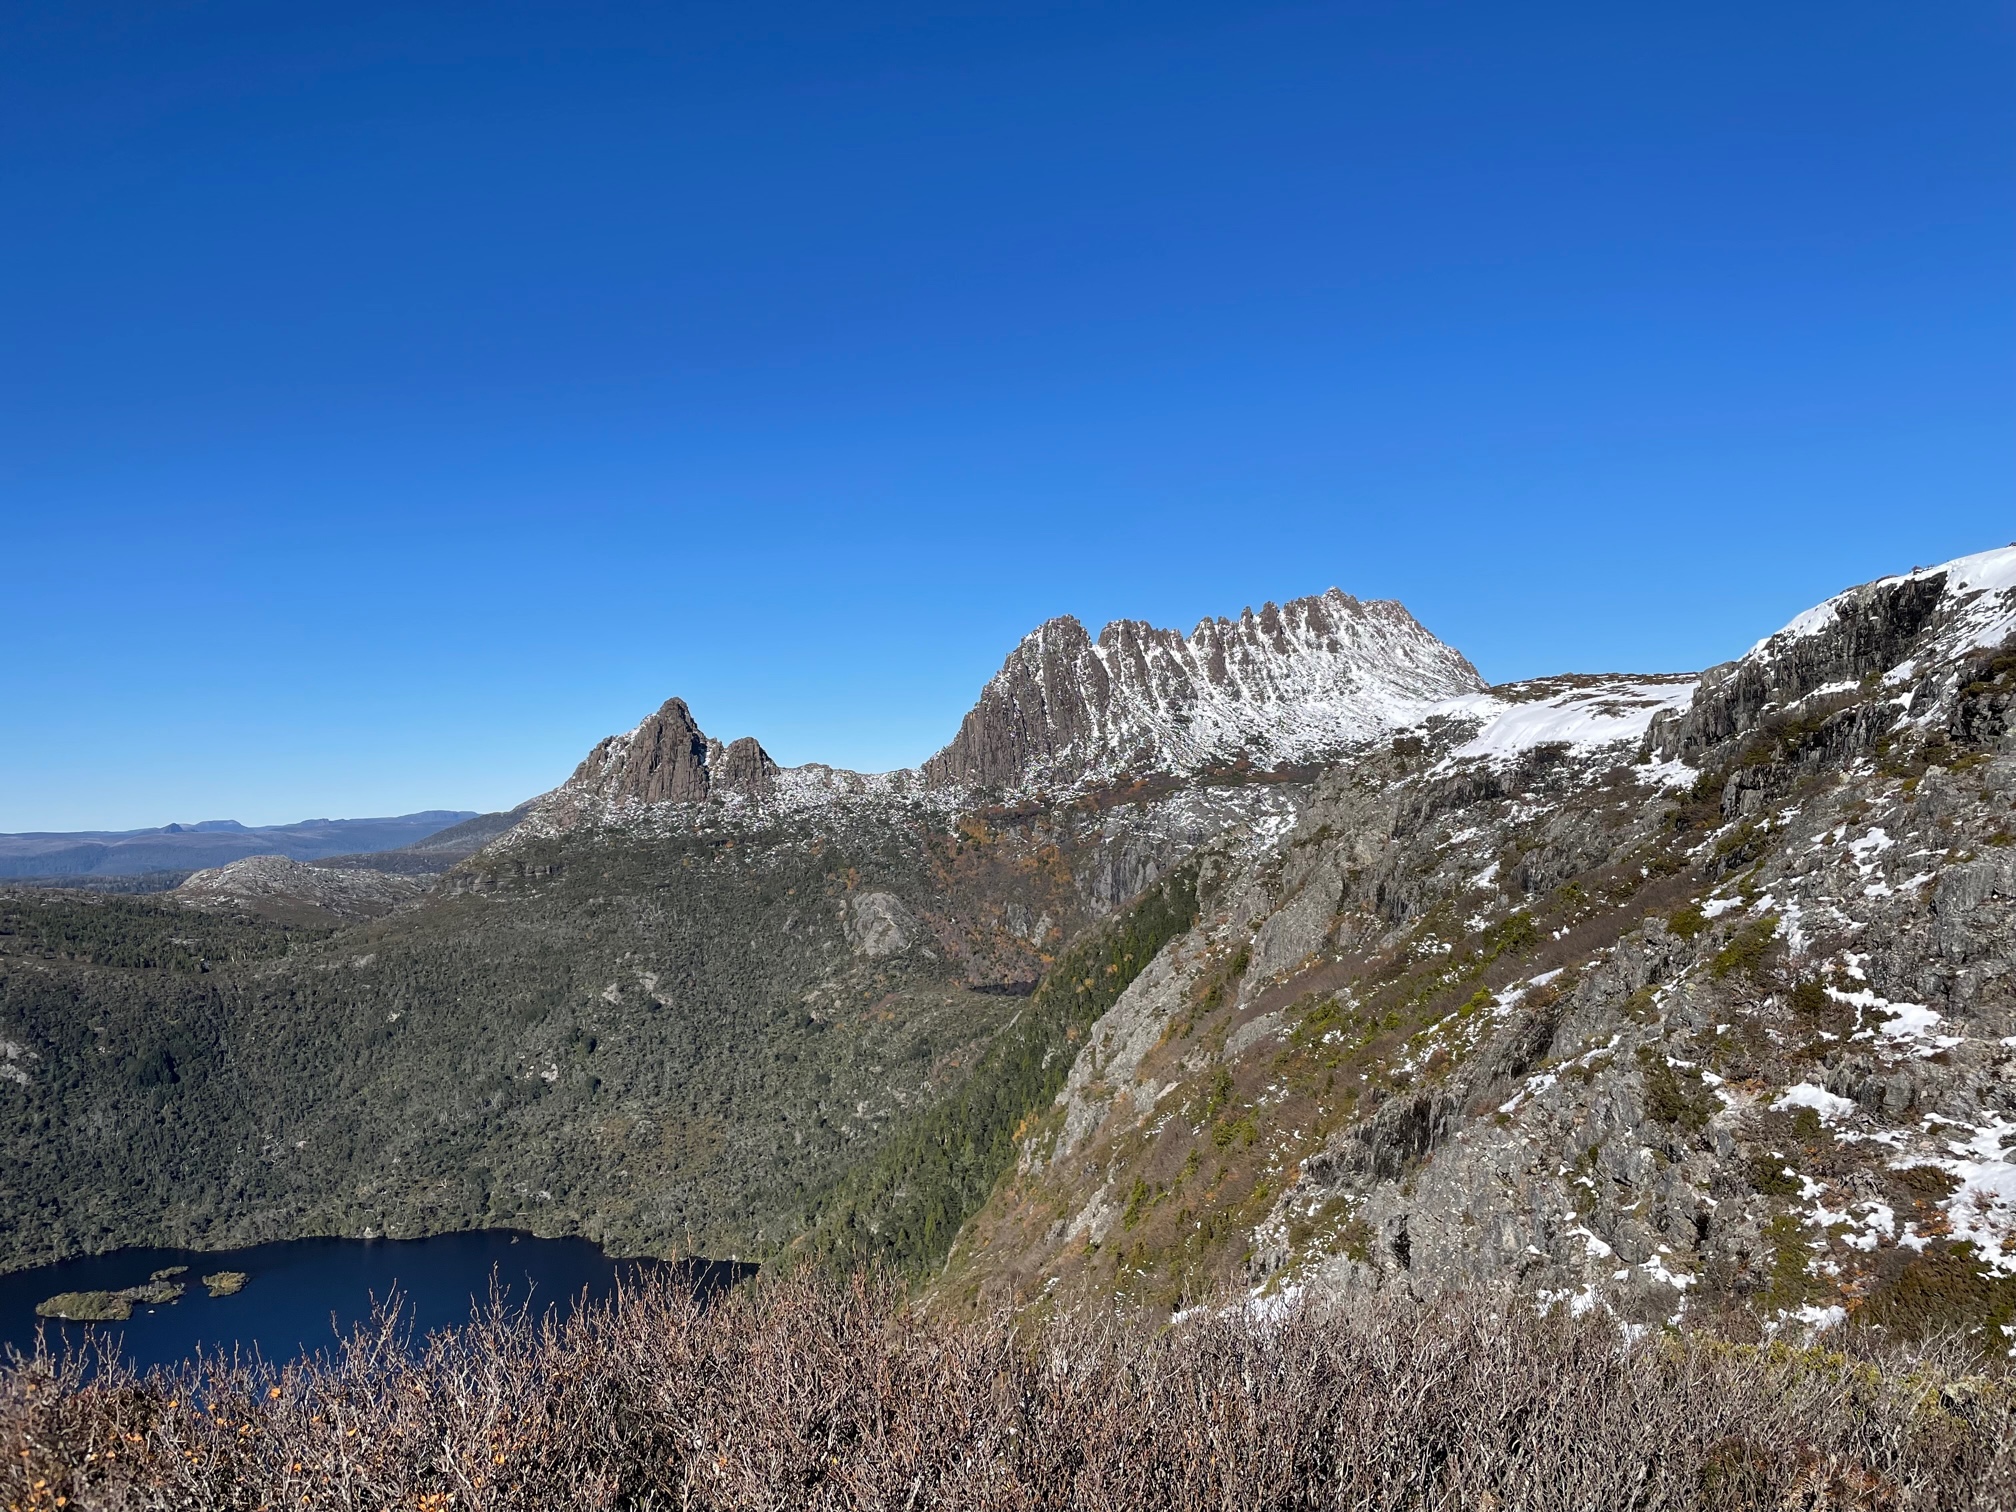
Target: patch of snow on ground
{"x":1879,"y":1221}
{"x":1821,"y":1101}
{"x":1983,"y":1210}
{"x":1902,"y":1024}
{"x":1586,"y":718}
{"x":1535,"y":1085}
{"x":1868,"y":848}
{"x":1655,"y":1268}
{"x":1598,"y":1249}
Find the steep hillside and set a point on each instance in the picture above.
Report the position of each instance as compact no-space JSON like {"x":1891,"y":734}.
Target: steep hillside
{"x":1670,"y":999}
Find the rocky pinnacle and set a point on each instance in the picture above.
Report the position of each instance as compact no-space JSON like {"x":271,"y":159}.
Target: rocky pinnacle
{"x":668,"y":759}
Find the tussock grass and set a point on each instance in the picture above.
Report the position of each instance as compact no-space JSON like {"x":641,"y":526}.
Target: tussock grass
{"x":804,"y":1392}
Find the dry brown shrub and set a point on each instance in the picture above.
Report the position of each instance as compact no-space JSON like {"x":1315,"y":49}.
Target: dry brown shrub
{"x":804,"y":1393}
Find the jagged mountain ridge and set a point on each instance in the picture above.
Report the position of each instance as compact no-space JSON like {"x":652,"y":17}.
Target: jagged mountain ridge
{"x":1285,"y":686}
{"x":1288,"y":685}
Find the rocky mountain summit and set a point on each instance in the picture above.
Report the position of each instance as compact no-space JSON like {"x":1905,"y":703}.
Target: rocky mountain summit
{"x":1283,"y":687}
{"x":1675,"y":998}
{"x":667,"y":760}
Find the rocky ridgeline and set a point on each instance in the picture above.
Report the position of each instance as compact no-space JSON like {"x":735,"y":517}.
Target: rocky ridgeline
{"x":1285,"y":687}
{"x":1680,"y":1002}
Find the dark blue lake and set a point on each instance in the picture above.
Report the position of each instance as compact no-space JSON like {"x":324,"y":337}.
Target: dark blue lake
{"x":304,"y":1293}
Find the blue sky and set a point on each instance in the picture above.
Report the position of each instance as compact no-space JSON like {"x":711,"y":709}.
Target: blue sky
{"x":396,"y":399}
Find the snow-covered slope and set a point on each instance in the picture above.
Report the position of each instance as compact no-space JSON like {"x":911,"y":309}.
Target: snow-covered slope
{"x":1586,"y":714}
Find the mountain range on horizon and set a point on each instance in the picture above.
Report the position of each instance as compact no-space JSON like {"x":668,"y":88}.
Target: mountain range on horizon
{"x":1282,"y":955}
{"x":56,"y":855}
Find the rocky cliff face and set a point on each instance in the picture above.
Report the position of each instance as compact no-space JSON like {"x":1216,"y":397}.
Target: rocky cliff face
{"x":1675,"y":1001}
{"x":1907,"y":637}
{"x":1285,"y":686}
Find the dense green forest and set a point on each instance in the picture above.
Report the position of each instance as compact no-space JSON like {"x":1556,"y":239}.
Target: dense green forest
{"x":669,"y":1042}
{"x":904,"y":1206}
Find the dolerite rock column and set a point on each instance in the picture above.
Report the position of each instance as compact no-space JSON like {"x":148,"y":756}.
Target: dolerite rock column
{"x":666,"y":759}
{"x":742,"y":766}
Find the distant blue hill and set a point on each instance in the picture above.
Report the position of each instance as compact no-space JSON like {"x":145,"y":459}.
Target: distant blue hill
{"x":214,"y":842}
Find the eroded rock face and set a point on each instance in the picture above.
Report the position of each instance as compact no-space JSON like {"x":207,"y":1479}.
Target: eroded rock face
{"x":879,"y":924}
{"x":742,"y":766}
{"x":663,"y":760}
{"x":1730,"y":1038}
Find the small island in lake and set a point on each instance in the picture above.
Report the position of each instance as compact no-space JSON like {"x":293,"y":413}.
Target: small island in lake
{"x":110,"y":1306}
{"x":159,"y":1289}
{"x":86,"y":1307}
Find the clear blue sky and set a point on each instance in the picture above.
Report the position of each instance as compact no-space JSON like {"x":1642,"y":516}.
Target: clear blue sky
{"x":394,"y":399}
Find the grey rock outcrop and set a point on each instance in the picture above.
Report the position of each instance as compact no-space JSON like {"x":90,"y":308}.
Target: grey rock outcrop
{"x":280,"y":887}
{"x":880,"y":924}
{"x":1902,"y":631}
